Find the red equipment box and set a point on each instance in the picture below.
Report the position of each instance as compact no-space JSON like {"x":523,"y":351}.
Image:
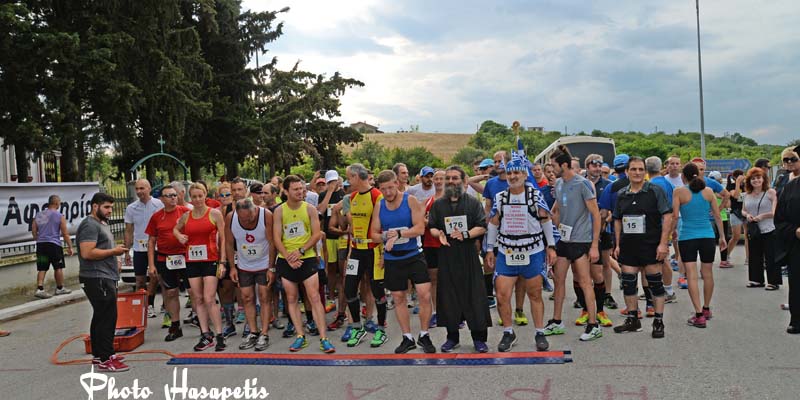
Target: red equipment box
{"x":131,"y":316}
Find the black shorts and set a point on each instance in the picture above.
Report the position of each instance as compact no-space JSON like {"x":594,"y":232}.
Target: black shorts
{"x":49,"y":254}
{"x":170,"y":278}
{"x":366,"y":262}
{"x":606,"y":241}
{"x":431,"y":256}
{"x":399,"y":272}
{"x":572,"y":251}
{"x":201,"y":269}
{"x":305,"y":271}
{"x":251,"y":278}
{"x":140,"y":263}
{"x":706,"y":248}
{"x":638,"y":254}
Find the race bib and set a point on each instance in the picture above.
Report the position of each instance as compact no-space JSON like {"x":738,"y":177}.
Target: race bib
{"x":294,"y":230}
{"x":741,"y":197}
{"x":515,"y":219}
{"x":565,"y":231}
{"x":330,"y":209}
{"x":401,"y":240}
{"x":517,"y":258}
{"x":198,"y":253}
{"x":633,"y":224}
{"x":141,"y":245}
{"x":251,"y":252}
{"x":352,"y":267}
{"x":451,"y":224}
{"x":176,"y":262}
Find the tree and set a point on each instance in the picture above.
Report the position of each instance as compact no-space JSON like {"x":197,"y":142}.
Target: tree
{"x":372,"y":155}
{"x":415,"y":158}
{"x":467,"y":155}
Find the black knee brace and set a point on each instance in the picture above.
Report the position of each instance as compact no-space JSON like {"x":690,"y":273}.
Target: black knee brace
{"x":628,"y":283}
{"x":656,"y":284}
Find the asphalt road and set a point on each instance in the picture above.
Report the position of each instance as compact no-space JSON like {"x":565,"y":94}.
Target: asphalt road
{"x":744,"y":353}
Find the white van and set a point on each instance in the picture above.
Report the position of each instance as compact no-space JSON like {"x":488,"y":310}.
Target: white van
{"x":581,"y":146}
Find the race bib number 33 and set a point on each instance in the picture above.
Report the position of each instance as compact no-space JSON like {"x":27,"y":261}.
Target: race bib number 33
{"x":459,"y":222}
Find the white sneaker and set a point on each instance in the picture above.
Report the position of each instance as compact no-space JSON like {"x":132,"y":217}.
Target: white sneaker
{"x":61,"y":291}
{"x":592,"y":334}
{"x":151,"y":312}
{"x":42,"y":294}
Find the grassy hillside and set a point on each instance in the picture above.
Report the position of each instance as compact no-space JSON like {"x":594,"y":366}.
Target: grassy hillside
{"x":442,"y":145}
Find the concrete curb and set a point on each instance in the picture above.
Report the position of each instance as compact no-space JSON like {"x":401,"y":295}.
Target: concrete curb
{"x":39,"y":305}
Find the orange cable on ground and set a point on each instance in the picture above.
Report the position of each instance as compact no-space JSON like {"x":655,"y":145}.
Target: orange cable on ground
{"x":54,"y":356}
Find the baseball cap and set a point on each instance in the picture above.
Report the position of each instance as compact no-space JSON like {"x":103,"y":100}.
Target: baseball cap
{"x":320,"y":180}
{"x":621,"y":160}
{"x":716,"y":175}
{"x":426,"y":170}
{"x":346,"y":183}
{"x":331,"y":175}
{"x":487,"y":162}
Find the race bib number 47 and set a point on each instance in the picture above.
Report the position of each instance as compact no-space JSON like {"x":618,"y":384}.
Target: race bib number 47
{"x":459,"y":222}
{"x":294,"y":230}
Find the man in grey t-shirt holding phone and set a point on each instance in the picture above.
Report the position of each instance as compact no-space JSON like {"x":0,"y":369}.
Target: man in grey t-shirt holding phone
{"x":98,"y":275}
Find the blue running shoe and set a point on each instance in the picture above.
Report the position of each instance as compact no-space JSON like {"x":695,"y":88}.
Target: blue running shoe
{"x":449,"y":346}
{"x":299,"y":343}
{"x":311,"y":327}
{"x":348,"y":332}
{"x":290,"y":331}
{"x":415,"y":311}
{"x":480,"y":347}
{"x":229,"y":331}
{"x":432,"y":324}
{"x":371,"y":326}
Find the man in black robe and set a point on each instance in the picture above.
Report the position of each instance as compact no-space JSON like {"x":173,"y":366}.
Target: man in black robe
{"x":457,"y":219}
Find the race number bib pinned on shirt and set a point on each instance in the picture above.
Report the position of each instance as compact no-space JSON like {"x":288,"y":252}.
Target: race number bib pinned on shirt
{"x":565,"y":231}
{"x":176,"y":262}
{"x":458,"y":222}
{"x":352,"y":267}
{"x":198,"y":253}
{"x":330,"y":209}
{"x":517,"y":258}
{"x":294,"y":230}
{"x":141,"y":245}
{"x":251,"y":252}
{"x":633,"y":224}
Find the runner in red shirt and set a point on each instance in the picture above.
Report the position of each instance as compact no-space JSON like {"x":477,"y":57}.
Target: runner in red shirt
{"x":430,"y":244}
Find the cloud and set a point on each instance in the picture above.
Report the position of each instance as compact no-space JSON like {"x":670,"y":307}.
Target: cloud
{"x":611,"y":65}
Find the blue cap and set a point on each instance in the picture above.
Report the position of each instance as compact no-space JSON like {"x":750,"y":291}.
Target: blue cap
{"x":426,"y":170}
{"x":605,"y":164}
{"x":621,"y":160}
{"x":487,"y":162}
{"x":346,"y":183}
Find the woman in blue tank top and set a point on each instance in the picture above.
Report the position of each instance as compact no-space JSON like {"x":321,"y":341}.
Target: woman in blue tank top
{"x":696,"y":237}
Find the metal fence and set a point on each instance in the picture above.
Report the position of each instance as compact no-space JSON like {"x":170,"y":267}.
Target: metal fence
{"x":117,"y":219}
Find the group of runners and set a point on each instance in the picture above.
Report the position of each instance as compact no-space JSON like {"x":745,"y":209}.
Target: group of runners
{"x":448,"y":248}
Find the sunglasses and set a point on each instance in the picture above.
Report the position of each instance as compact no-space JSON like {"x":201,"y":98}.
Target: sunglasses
{"x":596,"y":162}
{"x":225,"y":195}
{"x":171,"y":195}
{"x":789,"y":160}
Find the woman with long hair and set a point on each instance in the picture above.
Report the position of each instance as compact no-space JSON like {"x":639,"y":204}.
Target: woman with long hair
{"x":735,"y":187}
{"x":695,"y":202}
{"x":759,"y":208}
{"x":787,"y":224}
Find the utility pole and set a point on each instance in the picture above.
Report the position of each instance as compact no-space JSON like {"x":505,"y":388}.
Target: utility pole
{"x":700,"y":76}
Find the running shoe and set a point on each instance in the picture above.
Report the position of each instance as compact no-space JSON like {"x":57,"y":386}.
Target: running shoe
{"x":552,"y":296}
{"x":262,"y":342}
{"x":329,"y":306}
{"x":698,"y":322}
{"x":674,"y":264}
{"x":162,"y":310}
{"x":370,"y":326}
{"x":249,"y":342}
{"x":591,"y":333}
{"x":96,"y":360}
{"x":785,"y":306}
{"x":624,"y":313}
{"x":206,"y":342}
{"x":520,"y":318}
{"x":449,"y":346}
{"x":188,"y":303}
{"x":553,"y":328}
{"x":427,"y":345}
{"x":166,"y":322}
{"x":492,"y":302}
{"x":220,"y":343}
{"x":583,"y":319}
{"x":480,"y":347}
{"x":326,"y":346}
{"x":348,"y":333}
{"x":682,"y":283}
{"x":602,"y":317}
{"x":658,"y":328}
{"x":229,"y":331}
{"x":651,"y":311}
{"x":707,"y":313}
{"x":311,"y":327}
{"x":299,"y":343}
{"x":61,"y":291}
{"x":499,"y":321}
{"x":671,"y":298}
{"x":174,"y":333}
{"x":462,"y":325}
{"x":541,"y":341}
{"x":336,"y":323}
{"x":378,"y":339}
{"x":507,"y":342}
{"x":609,"y":302}
{"x":415,"y":311}
{"x":630,"y":325}
{"x":793,"y":330}
{"x":246,"y":330}
{"x":290,"y":331}
{"x":151,"y":312}
{"x":192,"y":320}
{"x":576,"y":304}
{"x":240,"y":317}
{"x":112,"y":365}
{"x":356,"y":337}
{"x":405,"y":346}
{"x":432,"y":323}
{"x":276,"y":323}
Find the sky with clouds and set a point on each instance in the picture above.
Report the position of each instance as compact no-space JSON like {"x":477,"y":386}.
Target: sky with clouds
{"x":448,"y":65}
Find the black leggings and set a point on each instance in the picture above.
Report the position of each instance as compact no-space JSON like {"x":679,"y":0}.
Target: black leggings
{"x":102,"y":295}
{"x":366,"y":261}
{"x":762,"y":256}
{"x":723,"y":254}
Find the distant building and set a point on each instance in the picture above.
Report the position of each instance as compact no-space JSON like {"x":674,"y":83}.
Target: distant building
{"x":364,"y":127}
{"x":42,"y":168}
{"x":539,"y":129}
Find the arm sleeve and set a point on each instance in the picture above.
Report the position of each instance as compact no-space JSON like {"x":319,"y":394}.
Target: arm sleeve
{"x":151,"y":226}
{"x":87,"y":233}
{"x":587,"y":190}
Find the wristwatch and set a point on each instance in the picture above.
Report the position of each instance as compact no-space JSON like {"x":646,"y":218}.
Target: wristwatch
{"x":302,"y":251}
{"x":465,"y":234}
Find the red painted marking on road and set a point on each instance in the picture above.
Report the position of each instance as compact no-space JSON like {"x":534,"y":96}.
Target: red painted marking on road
{"x":641,"y":394}
{"x":544,"y":392}
{"x":460,"y":366}
{"x":631,"y":366}
{"x":349,"y":395}
{"x":466,"y":356}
